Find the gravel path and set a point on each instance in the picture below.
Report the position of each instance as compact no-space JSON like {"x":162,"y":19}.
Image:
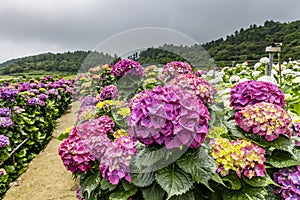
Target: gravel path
{"x":46,"y":178}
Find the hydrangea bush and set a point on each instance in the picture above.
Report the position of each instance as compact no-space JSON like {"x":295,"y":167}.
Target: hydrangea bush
{"x":28,"y":111}
{"x":167,"y":140}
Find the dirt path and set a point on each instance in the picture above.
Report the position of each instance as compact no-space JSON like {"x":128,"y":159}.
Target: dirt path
{"x":46,"y":178}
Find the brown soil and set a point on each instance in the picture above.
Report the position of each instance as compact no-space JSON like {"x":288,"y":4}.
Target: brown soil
{"x":46,"y":178}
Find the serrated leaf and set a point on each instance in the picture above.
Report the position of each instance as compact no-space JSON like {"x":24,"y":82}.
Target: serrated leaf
{"x":122,"y":194}
{"x":106,"y":185}
{"x":259,"y":181}
{"x":234,"y":129}
{"x":282,"y":159}
{"x":199,"y":165}
{"x":90,"y":183}
{"x":173,"y":180}
{"x":127,"y":186}
{"x":186,"y":196}
{"x":153,"y":192}
{"x":151,"y":159}
{"x":246,"y":193}
{"x":233,"y":181}
{"x":281,"y":143}
{"x":142,"y":179}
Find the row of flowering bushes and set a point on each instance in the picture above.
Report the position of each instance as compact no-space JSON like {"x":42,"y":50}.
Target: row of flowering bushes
{"x":145,"y":133}
{"x":28,"y":111}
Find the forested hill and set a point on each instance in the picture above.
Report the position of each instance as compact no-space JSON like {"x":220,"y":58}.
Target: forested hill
{"x":68,"y":62}
{"x":243,"y":45}
{"x":250,"y":43}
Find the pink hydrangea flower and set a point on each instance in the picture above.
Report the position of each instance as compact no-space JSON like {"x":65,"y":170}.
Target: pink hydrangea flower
{"x":265,"y":119}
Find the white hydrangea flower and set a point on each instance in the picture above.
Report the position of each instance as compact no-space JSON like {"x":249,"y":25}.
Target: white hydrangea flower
{"x":284,"y":63}
{"x":276,"y":67}
{"x":264,"y":60}
{"x":286,"y":71}
{"x":296,"y":67}
{"x":296,"y":80}
{"x":243,"y":72}
{"x":216,"y":80}
{"x":234,"y":79}
{"x":269,"y":79}
{"x":256,"y":73}
{"x":274,"y":72}
{"x":243,"y":80}
{"x":210,"y":73}
{"x":288,"y":97}
{"x":257,"y":65}
{"x":223,"y":92}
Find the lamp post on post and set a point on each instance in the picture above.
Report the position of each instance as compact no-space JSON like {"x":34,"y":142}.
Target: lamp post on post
{"x":274,"y":48}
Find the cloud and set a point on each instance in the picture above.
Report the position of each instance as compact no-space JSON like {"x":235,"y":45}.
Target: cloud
{"x":57,"y":25}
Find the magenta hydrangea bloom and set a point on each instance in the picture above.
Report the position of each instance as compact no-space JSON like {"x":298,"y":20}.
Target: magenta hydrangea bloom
{"x":93,"y":134}
{"x":4,"y":141}
{"x":289,"y":180}
{"x":203,"y":90}
{"x":108,"y":92}
{"x":265,"y":119}
{"x":252,"y":92}
{"x":128,"y":66}
{"x":74,"y":154}
{"x":168,"y":115}
{"x":114,"y":165}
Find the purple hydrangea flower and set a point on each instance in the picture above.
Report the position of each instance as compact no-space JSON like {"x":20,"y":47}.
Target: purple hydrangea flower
{"x":114,"y":165}
{"x":127,"y":66}
{"x":6,"y":122}
{"x":5,"y":112}
{"x":265,"y":119}
{"x":4,"y":141}
{"x":43,"y":97}
{"x":289,"y":180}
{"x":203,"y":90}
{"x":88,"y":101}
{"x":170,"y":116}
{"x":108,"y":92}
{"x":8,"y":94}
{"x":252,"y":92}
{"x":32,"y":101}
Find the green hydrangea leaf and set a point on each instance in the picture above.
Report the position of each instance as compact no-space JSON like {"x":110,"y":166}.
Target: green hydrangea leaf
{"x":153,"y":192}
{"x":186,"y":196}
{"x":246,"y":193}
{"x":232,"y":181}
{"x":259,"y":181}
{"x":173,"y":180}
{"x":199,"y":165}
{"x":282,"y":159}
{"x":89,"y":184}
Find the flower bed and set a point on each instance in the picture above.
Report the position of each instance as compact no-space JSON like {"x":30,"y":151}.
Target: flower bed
{"x":27,"y":117}
{"x":172,"y":140}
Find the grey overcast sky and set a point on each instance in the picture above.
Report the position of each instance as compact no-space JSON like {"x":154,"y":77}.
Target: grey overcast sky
{"x":29,"y":27}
